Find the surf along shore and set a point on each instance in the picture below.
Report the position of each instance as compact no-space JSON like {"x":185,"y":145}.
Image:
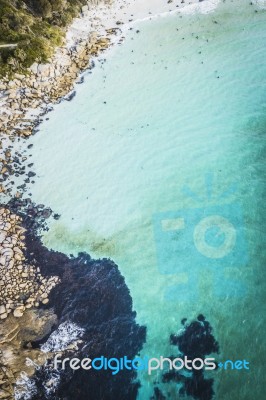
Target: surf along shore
{"x":25,"y":292}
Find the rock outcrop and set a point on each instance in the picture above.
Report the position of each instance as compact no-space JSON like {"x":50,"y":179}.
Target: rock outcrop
{"x":90,"y":295}
{"x":44,"y":84}
{"x":21,"y":284}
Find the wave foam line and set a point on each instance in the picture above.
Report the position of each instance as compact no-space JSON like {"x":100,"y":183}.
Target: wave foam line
{"x":204,"y":7}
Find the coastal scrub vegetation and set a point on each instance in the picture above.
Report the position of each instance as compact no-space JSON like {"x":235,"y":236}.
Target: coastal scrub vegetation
{"x":36,"y":27}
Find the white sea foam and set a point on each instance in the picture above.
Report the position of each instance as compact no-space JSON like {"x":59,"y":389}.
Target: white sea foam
{"x":25,"y":388}
{"x":205,"y":7}
{"x":59,"y":340}
{"x":31,"y":363}
{"x":51,"y":384}
{"x":62,"y":337}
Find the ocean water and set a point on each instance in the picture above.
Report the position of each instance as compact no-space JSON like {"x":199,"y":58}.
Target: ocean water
{"x":158,"y":163}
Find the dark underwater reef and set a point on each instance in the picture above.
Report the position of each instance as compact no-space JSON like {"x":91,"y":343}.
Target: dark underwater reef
{"x":93,"y":295}
{"x":195,"y":341}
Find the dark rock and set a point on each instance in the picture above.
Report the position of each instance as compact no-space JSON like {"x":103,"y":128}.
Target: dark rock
{"x":158,"y":395}
{"x":47,"y":212}
{"x":81,"y":80}
{"x":70,"y":96}
{"x":195,"y":341}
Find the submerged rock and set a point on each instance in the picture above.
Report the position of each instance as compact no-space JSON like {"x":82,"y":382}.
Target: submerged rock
{"x":196,"y":340}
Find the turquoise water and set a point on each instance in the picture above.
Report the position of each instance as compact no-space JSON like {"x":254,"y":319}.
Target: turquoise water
{"x":185,"y":106}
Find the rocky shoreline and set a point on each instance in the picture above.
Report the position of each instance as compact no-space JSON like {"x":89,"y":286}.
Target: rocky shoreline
{"x":26,"y":98}
{"x":89,"y":312}
{"x":27,"y":312}
{"x":23,"y":288}
{"x":45,"y":84}
{"x":22,"y":285}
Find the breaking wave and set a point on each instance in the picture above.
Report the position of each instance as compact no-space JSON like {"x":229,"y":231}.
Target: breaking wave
{"x":62,"y":337}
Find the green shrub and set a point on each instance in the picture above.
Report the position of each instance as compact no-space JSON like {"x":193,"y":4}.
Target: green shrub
{"x":37,"y":27}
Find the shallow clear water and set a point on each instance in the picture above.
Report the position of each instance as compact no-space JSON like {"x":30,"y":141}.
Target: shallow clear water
{"x":185,"y":108}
